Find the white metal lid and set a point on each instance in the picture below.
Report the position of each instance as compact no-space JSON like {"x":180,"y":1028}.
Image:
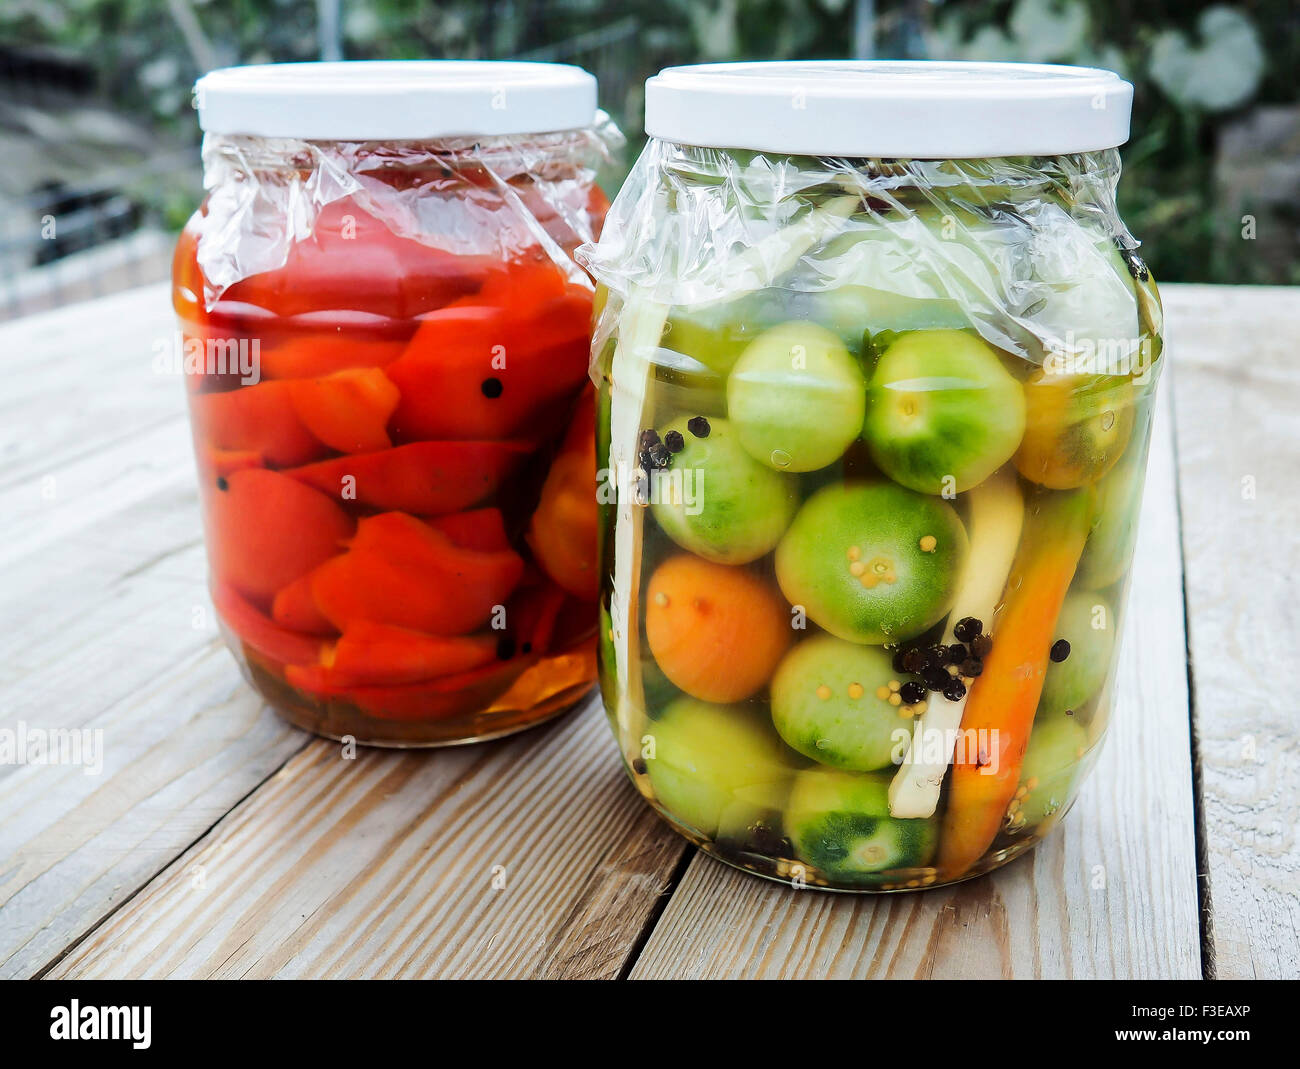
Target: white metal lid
{"x":905,"y":109}
{"x":397,"y":100}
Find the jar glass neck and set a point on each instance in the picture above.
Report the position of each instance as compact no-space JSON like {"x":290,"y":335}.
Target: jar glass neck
{"x":442,"y":157}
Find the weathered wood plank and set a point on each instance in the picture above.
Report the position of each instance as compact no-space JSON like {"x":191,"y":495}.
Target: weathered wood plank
{"x":529,"y":856}
{"x":1111,"y":894}
{"x":1237,"y":394}
{"x":105,"y":626}
{"x":80,"y":377}
{"x":108,"y":628}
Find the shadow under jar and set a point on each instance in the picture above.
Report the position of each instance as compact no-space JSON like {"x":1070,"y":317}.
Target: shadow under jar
{"x":385,"y":341}
{"x":877,"y":363}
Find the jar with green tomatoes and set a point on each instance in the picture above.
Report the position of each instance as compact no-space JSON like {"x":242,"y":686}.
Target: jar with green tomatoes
{"x":385,"y":343}
{"x":876,"y":359}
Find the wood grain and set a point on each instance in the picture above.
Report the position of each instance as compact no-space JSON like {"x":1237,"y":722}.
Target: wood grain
{"x":1112,"y":893}
{"x":531,"y":856}
{"x":218,"y":842}
{"x":82,"y":376}
{"x":1237,"y":393}
{"x":108,"y":628}
{"x":105,"y":625}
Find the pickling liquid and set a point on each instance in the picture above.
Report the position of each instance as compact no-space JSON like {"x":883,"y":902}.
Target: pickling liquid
{"x":395,"y":448}
{"x":870,"y":646}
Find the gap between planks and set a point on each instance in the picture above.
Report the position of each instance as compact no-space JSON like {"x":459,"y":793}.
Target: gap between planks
{"x":527,"y":857}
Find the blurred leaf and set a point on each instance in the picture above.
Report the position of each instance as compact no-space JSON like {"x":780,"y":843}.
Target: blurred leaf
{"x":1221,"y":73}
{"x":1047,"y":30}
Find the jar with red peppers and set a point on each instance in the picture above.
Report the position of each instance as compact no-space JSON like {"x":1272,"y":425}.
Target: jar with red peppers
{"x":385,"y":341}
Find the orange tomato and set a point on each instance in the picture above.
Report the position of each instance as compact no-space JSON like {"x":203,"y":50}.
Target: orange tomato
{"x":716,"y":631}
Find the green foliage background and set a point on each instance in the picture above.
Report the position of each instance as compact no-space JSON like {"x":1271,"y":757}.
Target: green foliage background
{"x":1205,"y":75}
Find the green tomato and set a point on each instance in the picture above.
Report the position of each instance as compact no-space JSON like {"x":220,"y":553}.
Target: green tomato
{"x":796,"y":397}
{"x":607,"y":659}
{"x":855,"y":312}
{"x":1080,"y":293}
{"x":717,"y":501}
{"x":1054,"y":765}
{"x":706,"y":762}
{"x":872,"y":562}
{"x":839,"y":823}
{"x":751,"y":821}
{"x":944,"y":413}
{"x":1109,"y":552}
{"x":825,"y":704}
{"x":923,"y":269}
{"x":716,"y":334}
{"x":683,"y":384}
{"x":1087,"y":622}
{"x":1076,"y":427}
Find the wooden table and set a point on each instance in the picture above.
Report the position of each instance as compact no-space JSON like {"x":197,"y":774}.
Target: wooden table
{"x":217,"y":842}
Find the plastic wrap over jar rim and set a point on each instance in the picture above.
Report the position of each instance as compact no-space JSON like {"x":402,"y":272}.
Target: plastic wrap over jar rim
{"x":395,"y":100}
{"x":905,"y":109}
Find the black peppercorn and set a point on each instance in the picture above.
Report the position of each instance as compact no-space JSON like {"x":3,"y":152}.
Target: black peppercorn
{"x":972,"y":667}
{"x":912,"y":692}
{"x":967,"y":629}
{"x":222,"y":484}
{"x":674,"y":441}
{"x":649,"y":437}
{"x":1136,"y":267}
{"x":936,"y":678}
{"x":1060,"y":650}
{"x":955,"y":691}
{"x":955,"y":654}
{"x":981,"y":645}
{"x":492,"y":388}
{"x":698,"y":426}
{"x":660,"y":456}
{"x":913,"y":660}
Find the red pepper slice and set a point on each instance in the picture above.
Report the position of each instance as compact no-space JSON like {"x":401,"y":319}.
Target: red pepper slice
{"x":562,"y":532}
{"x":267,"y":529}
{"x":486,"y":370}
{"x":324,"y":354}
{"x":258,"y":419}
{"x":187,"y":279}
{"x":295,"y":608}
{"x":214,"y":463}
{"x":399,"y":570}
{"x":460,"y":694}
{"x":481,"y":529}
{"x":257,"y":629}
{"x":347,"y":410}
{"x":371,"y":654}
{"x":352,"y":260}
{"x":428,"y":478}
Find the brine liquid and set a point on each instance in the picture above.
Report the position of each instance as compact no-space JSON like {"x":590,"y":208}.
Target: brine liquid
{"x":714,"y":766}
{"x":396,"y":496}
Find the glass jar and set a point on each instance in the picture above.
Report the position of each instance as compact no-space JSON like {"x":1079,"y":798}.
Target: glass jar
{"x":385,"y":344}
{"x":877,"y":361}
